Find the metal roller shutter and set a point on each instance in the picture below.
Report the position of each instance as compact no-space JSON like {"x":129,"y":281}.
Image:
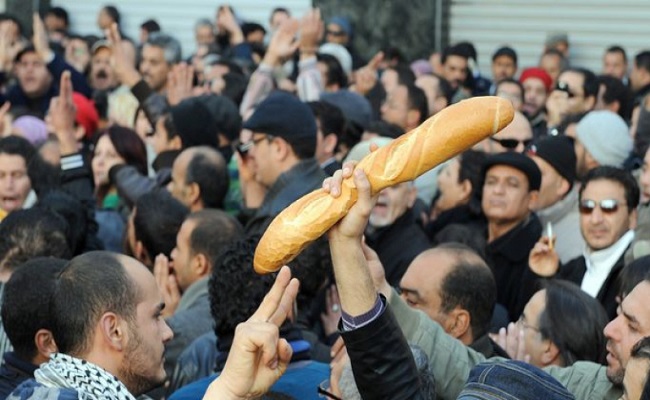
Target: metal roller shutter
{"x":592,"y":25}
{"x":175,"y":17}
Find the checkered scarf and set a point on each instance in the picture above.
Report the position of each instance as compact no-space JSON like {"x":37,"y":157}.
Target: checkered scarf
{"x":89,"y":380}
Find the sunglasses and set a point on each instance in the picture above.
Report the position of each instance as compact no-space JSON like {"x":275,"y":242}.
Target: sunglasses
{"x":564,"y":87}
{"x":512,"y":144}
{"x":335,"y":33}
{"x":607,"y":206}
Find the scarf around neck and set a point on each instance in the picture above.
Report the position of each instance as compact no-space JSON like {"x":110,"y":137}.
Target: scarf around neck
{"x":91,"y":381}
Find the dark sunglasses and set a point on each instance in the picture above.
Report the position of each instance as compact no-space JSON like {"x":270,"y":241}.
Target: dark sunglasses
{"x":564,"y":87}
{"x":335,"y":33}
{"x":512,"y":144}
{"x":607,"y":206}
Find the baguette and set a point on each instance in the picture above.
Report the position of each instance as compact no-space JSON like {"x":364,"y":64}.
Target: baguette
{"x":438,"y":139}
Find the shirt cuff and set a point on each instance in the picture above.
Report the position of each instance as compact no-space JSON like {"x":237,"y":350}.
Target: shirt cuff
{"x":351,"y":323}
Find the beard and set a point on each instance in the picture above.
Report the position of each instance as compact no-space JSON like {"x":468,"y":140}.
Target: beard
{"x":136,"y":371}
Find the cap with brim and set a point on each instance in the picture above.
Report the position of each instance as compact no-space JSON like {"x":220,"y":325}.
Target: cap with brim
{"x":517,"y":161}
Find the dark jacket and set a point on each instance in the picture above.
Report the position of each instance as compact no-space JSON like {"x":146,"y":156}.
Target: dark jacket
{"x":507,"y":256}
{"x":381,"y":360}
{"x":488,"y":347}
{"x":13,"y":372}
{"x":575,"y":270}
{"x":303,"y":178}
{"x":397,"y":245}
{"x":40,"y":105}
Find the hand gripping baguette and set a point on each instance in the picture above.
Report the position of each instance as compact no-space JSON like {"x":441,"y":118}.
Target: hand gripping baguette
{"x":438,"y":139}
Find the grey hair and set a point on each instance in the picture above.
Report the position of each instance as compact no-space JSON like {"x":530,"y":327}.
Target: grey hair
{"x":203,"y":22}
{"x":170,"y":46}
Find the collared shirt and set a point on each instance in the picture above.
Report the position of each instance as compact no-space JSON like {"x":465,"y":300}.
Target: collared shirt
{"x":600,"y":263}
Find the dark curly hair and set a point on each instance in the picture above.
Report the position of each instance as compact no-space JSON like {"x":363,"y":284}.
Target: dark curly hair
{"x":235,"y":289}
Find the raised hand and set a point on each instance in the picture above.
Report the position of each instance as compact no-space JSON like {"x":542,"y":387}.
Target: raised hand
{"x":179,"y":83}
{"x":167,"y":285}
{"x":227,"y":21}
{"x":366,"y":77}
{"x":283,"y":43}
{"x":543,"y":260}
{"x":121,"y":63}
{"x":511,"y":339}
{"x":62,"y":114}
{"x":40,"y":40}
{"x":311,"y":32}
{"x":258,"y":356}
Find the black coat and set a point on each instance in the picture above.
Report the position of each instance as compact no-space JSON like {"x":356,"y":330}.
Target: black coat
{"x":381,"y":360}
{"x":397,"y":245}
{"x":575,"y":270}
{"x":508,"y":258}
{"x":13,"y":372}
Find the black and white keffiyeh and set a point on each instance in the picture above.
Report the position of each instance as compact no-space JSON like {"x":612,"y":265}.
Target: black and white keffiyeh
{"x":89,"y":380}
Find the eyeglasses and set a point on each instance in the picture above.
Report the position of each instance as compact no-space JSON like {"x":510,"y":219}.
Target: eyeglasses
{"x":244,"y":148}
{"x":522,"y":322}
{"x":512,"y":144}
{"x":607,"y":206}
{"x":335,"y":33}
{"x":323,"y":393}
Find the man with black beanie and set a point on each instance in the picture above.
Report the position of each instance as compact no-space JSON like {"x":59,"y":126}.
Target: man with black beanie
{"x":558,"y":196}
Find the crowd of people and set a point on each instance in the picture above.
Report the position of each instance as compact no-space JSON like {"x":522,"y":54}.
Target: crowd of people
{"x":136,"y":182}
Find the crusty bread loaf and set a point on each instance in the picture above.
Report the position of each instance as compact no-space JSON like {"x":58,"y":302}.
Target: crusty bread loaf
{"x":438,"y":139}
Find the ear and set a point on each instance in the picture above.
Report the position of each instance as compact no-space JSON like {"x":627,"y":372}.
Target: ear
{"x":412,"y":117}
{"x":533,"y":197}
{"x":45,"y":344}
{"x":633,"y":219}
{"x":281,"y":149}
{"x":563,"y":187}
{"x":79,"y":133}
{"x":329,"y":142}
{"x":141,"y":254}
{"x":459,"y":321}
{"x":176,"y":143}
{"x":412,"y":194}
{"x":466,"y":189}
{"x":113,"y":331}
{"x":194,"y":193}
{"x":200,"y":265}
{"x":551,"y":355}
{"x":590,"y":102}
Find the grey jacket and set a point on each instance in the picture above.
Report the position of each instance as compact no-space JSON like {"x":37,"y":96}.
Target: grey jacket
{"x":565,"y":218}
{"x":450,"y":360}
{"x":191,"y":320}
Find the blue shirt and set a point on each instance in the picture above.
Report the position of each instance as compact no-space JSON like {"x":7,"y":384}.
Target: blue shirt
{"x":300,"y":381}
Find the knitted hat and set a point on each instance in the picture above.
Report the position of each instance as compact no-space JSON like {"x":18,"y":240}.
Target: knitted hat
{"x":560,"y":153}
{"x":606,"y":137}
{"x":355,"y":107}
{"x":31,"y":128}
{"x":538,"y":73}
{"x":344,"y":23}
{"x":283,"y":115}
{"x":512,"y":380}
{"x":87,"y":115}
{"x":194,"y":123}
{"x":517,"y":161}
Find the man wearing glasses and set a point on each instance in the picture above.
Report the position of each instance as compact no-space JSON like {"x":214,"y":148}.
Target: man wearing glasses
{"x":607,"y":201}
{"x":575,"y":92}
{"x":517,"y":137}
{"x":277,"y":164}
